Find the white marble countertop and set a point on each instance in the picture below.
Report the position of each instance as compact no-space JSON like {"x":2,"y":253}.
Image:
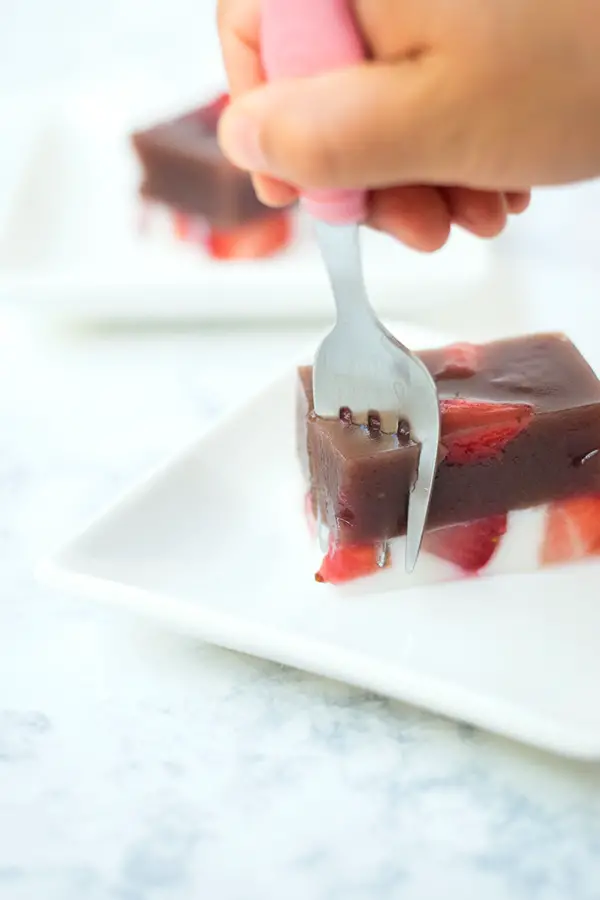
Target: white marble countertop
{"x":135,"y":765}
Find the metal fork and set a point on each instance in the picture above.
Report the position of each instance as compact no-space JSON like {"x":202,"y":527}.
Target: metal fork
{"x":360,"y":366}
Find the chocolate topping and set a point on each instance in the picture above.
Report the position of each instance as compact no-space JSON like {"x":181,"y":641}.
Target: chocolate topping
{"x":538,"y":444}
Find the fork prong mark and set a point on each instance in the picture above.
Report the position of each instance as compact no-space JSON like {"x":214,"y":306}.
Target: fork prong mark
{"x":403,"y":431}
{"x":374,"y":424}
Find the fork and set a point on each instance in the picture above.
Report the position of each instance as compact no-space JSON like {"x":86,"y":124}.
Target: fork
{"x":361,"y":370}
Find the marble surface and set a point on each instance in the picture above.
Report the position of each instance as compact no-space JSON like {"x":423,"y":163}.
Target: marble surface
{"x":135,"y":765}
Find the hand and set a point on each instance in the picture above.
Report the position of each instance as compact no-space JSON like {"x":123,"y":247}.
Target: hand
{"x":401,"y":132}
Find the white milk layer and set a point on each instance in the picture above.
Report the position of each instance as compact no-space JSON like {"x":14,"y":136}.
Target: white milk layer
{"x":518,"y":551}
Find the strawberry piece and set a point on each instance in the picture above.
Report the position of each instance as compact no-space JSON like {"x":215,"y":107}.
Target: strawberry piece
{"x":460,"y":361}
{"x":347,"y":562}
{"x":180,"y":225}
{"x":572,"y":530}
{"x":188,"y":229}
{"x":254,"y":240}
{"x":460,"y":414}
{"x":470,"y":545}
{"x":475,"y":430}
{"x":310,"y":514}
{"x":211,"y":113}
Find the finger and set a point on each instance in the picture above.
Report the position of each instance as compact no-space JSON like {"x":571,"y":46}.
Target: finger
{"x":517,"y":201}
{"x":371,"y":126}
{"x":239,"y":31}
{"x":483,"y":213}
{"x":417,"y":216}
{"x":394,"y":30}
{"x":272,"y":192}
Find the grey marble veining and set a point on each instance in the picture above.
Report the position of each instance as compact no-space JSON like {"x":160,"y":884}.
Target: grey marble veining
{"x":135,"y":765}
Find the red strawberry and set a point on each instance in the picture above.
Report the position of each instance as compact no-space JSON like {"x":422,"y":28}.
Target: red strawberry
{"x":257,"y":239}
{"x":460,"y":361}
{"x":470,"y":546}
{"x":473,"y":430}
{"x":212,"y":112}
{"x":188,"y":229}
{"x":572,"y":530}
{"x":347,"y":562}
{"x":310,"y":514}
{"x":180,"y":225}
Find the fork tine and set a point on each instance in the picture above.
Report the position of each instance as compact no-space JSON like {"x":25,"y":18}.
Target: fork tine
{"x":361,"y":368}
{"x":418,"y":501}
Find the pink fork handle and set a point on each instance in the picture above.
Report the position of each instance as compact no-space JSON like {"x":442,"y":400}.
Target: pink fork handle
{"x":300,"y":38}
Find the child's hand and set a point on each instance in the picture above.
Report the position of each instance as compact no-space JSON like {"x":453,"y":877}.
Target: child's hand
{"x":493,"y":96}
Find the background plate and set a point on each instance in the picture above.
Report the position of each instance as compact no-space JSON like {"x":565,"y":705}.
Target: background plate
{"x":69,"y":241}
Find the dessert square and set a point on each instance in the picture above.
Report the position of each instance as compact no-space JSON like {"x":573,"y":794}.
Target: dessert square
{"x":204,"y":198}
{"x":520,"y":432}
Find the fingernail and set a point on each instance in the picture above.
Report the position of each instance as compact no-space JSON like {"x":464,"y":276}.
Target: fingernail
{"x":239,"y":137}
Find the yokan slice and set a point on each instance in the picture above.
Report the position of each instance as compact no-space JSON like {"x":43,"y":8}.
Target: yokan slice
{"x":212,"y":203}
{"x":521,"y":431}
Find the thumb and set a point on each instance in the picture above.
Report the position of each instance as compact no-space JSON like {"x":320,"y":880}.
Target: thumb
{"x":368,"y":126}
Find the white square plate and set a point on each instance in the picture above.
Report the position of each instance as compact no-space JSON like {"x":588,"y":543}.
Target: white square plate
{"x":214,"y":544}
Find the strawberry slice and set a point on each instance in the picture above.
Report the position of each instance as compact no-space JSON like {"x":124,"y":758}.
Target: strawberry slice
{"x":212,"y":112}
{"x":572,"y":530}
{"x":470,"y":545}
{"x":347,"y":562}
{"x":460,"y":361}
{"x":180,"y":225}
{"x":309,"y":514}
{"x":475,"y":430}
{"x":188,"y":229}
{"x":254,"y":240}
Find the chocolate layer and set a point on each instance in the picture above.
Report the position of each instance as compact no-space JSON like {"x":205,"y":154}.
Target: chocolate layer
{"x":361,"y":483}
{"x":185,"y":169}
